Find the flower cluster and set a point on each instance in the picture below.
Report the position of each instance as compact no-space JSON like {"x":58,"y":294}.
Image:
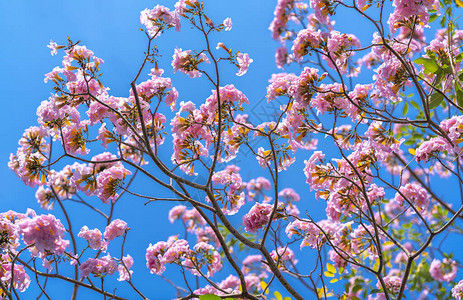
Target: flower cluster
{"x":257,"y":217}
{"x":178,"y":251}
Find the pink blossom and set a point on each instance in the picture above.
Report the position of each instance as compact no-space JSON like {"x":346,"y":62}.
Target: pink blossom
{"x":187,"y":63}
{"x":158,"y":18}
{"x":45,"y":232}
{"x":290,"y":194}
{"x":78,"y":53}
{"x":203,"y":254}
{"x":282,"y":255}
{"x":257,"y":217}
{"x":154,"y":255}
{"x":176,"y":212}
{"x":171,"y":99}
{"x":98,"y":266}
{"x":457,"y":290}
{"x":322,"y":10}
{"x":250,"y":260}
{"x":231,"y":180}
{"x":445,"y":270}
{"x":228,"y":24}
{"x":337,"y":259}
{"x":54,"y":47}
{"x":243,"y":61}
{"x":432,"y":148}
{"x":281,"y":57}
{"x":310,"y":170}
{"x":45,"y":198}
{"x":281,"y":84}
{"x":124,"y":268}
{"x":93,"y":237}
{"x":306,"y":40}
{"x":392,"y":284}
{"x":257,"y":186}
{"x":230,"y":284}
{"x":192,"y":219}
{"x":175,"y":251}
{"x":339,"y":49}
{"x":115,"y":229}
{"x":109,"y":181}
{"x":415,"y":194}
{"x":21,"y":280}
{"x":207,"y":235}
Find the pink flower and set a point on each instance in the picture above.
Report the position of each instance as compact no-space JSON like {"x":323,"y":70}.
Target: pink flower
{"x":306,"y":40}
{"x":175,"y":251}
{"x":432,"y":148}
{"x":93,"y":237}
{"x":415,"y":194}
{"x":21,"y":280}
{"x":45,"y":233}
{"x":228,"y":24}
{"x":45,"y":198}
{"x":193,"y":219}
{"x":54,"y":47}
{"x":187,"y":63}
{"x":171,"y":99}
{"x":176,"y":212}
{"x":154,"y":255}
{"x":243,"y":61}
{"x":109,"y":181}
{"x":231,"y":180}
{"x":203,"y":254}
{"x":283,"y":254}
{"x":98,"y":266}
{"x":290,"y":194}
{"x":114,"y":229}
{"x":457,"y":290}
{"x":257,"y":217}
{"x":158,"y":18}
{"x":257,"y":186}
{"x":392,"y":284}
{"x":445,"y":270}
{"x":124,"y":268}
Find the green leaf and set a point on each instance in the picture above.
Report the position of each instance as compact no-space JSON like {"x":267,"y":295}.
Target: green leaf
{"x":430,"y":65}
{"x":356,"y":288}
{"x":415,"y":105}
{"x":435,"y":100}
{"x":405,"y":109}
{"x":459,"y":94}
{"x":209,"y":297}
{"x":432,"y":18}
{"x":278,"y":295}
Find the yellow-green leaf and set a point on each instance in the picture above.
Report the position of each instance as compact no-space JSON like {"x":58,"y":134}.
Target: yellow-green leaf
{"x":263,"y":285}
{"x":331,"y":268}
{"x":278,"y":295}
{"x":333,"y":280}
{"x":328,"y":274}
{"x":412,"y":151}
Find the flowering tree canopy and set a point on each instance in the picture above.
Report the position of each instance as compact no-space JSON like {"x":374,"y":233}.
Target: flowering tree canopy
{"x":373,"y":126}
